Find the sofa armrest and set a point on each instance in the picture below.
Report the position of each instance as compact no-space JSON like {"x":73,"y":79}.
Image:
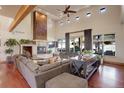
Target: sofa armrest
{"x":41,"y":78}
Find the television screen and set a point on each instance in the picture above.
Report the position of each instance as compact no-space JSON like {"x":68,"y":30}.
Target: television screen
{"x":52,"y":44}
{"x":41,"y":49}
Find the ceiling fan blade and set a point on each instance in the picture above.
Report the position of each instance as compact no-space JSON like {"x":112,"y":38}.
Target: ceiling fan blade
{"x":71,"y":11}
{"x":68,"y":15}
{"x":66,"y":9}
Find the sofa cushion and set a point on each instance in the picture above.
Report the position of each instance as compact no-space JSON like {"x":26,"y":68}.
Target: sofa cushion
{"x":54,"y":59}
{"x":65,"y":61}
{"x":48,"y":66}
{"x":45,"y":56}
{"x":42,"y":62}
{"x":32,"y":66}
{"x":23,"y":59}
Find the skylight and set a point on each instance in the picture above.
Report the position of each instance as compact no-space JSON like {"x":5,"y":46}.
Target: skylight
{"x":77,"y":18}
{"x":103,"y":9}
{"x":88,"y":14}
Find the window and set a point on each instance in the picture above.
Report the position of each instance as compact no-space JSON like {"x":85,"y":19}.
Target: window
{"x":75,"y":44}
{"x":109,"y":44}
{"x":109,"y":37}
{"x":97,"y":37}
{"x":104,"y":44}
{"x":61,"y":45}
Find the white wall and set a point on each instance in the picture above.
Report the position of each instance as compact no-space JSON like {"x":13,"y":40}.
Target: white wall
{"x":99,"y":23}
{"x":50,"y":29}
{"x":23,"y":31}
{"x":106,"y":23}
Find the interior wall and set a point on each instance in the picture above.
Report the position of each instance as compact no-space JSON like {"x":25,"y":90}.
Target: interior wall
{"x":106,"y":23}
{"x":51,"y":27}
{"x":23,"y":31}
{"x":120,"y":42}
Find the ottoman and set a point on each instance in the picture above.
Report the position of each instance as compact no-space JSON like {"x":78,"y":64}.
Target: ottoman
{"x":66,"y":80}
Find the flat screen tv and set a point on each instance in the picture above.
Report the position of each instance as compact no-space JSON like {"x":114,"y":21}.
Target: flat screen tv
{"x":52,"y":44}
{"x":41,"y":49}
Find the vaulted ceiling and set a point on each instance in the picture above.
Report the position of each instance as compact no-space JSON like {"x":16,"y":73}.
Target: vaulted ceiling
{"x":54,"y":9}
{"x":15,"y":12}
{"x":9,"y":10}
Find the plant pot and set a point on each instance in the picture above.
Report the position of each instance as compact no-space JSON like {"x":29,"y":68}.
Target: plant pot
{"x":9,"y":59}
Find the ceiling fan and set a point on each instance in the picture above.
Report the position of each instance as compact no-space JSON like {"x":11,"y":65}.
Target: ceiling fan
{"x":67,"y":11}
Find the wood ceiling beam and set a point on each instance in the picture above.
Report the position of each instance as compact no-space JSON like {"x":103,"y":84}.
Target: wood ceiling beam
{"x":21,"y":14}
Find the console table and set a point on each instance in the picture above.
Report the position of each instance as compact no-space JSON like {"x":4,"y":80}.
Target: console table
{"x":93,"y":66}
{"x":85,"y":69}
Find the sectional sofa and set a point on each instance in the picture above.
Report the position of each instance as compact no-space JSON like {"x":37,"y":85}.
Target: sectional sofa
{"x":36,"y":75}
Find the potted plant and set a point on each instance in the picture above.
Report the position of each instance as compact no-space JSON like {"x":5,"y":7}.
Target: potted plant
{"x":87,"y":52}
{"x":10,"y":43}
{"x":24,"y":41}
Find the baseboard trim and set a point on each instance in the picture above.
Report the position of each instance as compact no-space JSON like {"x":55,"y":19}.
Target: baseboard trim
{"x":115,"y":63}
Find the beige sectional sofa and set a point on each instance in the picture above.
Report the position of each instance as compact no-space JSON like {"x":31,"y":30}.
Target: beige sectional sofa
{"x":35,"y":75}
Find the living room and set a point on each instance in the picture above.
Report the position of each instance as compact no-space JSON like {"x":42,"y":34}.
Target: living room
{"x":62,"y":33}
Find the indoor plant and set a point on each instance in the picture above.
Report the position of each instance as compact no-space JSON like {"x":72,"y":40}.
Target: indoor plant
{"x":10,"y":43}
{"x":24,"y":41}
{"x":87,"y":52}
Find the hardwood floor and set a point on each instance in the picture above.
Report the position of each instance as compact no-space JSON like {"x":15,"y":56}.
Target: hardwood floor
{"x":107,"y":76}
{"x":11,"y":78}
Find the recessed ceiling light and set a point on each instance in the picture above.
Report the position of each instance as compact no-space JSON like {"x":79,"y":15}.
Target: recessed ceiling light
{"x":102,"y":10}
{"x":77,"y":18}
{"x":0,"y":7}
{"x":88,"y":14}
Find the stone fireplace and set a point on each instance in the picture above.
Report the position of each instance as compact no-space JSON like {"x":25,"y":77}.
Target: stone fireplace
{"x":27,"y":49}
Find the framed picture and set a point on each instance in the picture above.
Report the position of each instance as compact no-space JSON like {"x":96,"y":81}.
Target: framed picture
{"x":39,"y":26}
